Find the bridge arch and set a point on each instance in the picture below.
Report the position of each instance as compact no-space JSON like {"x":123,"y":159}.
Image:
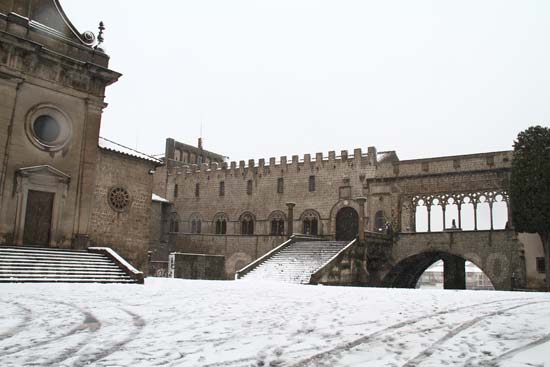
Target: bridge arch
{"x":407,"y":272}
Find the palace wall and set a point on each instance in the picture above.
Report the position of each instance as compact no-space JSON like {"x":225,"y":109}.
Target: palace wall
{"x":337,"y":179}
{"x":380,"y":177}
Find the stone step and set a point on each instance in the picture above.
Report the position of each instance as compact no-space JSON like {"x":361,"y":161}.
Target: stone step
{"x":297,"y":262}
{"x":63,"y":280}
{"x":40,"y":265}
{"x":4,"y":271}
{"x":52,"y":256}
{"x":46,"y":250}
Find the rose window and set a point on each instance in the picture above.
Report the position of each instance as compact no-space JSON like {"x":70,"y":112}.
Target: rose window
{"x":119,"y":199}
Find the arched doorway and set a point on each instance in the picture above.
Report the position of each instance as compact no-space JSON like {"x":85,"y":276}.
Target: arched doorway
{"x":347,"y":224}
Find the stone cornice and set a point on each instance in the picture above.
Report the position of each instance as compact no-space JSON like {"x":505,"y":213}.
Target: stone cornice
{"x":30,"y":58}
{"x":436,"y":175}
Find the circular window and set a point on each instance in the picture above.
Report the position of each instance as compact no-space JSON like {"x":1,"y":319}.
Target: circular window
{"x":119,"y":199}
{"x":48,"y":128}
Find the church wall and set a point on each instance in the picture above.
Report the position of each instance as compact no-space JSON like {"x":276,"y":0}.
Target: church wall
{"x":127,"y":231}
{"x":21,"y":153}
{"x":42,"y":72}
{"x":8,"y":91}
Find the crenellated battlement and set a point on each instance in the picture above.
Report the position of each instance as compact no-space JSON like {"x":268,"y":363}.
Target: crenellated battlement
{"x":317,"y":161}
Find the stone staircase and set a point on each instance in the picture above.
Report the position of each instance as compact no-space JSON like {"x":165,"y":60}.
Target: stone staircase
{"x":295,"y":262}
{"x":43,"y":265}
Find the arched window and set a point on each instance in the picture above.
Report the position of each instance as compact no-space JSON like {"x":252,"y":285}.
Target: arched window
{"x":310,"y":222}
{"x":249,"y":187}
{"x":247,"y":224}
{"x":178,"y":156}
{"x":220,"y":223}
{"x":277,"y":220}
{"x":196,"y":223}
{"x":174,"y":222}
{"x":379,"y":221}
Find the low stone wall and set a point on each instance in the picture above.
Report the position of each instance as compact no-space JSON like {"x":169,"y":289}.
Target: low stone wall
{"x":158,"y":269}
{"x":197,"y":266}
{"x":238,"y":251}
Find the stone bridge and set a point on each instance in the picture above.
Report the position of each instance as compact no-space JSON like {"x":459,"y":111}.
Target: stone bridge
{"x":498,"y":253}
{"x":400,"y":260}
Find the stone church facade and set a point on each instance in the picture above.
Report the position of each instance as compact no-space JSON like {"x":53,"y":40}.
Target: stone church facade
{"x":58,"y":186}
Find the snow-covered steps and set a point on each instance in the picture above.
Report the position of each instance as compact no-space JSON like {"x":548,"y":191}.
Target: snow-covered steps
{"x":294,"y":261}
{"x":41,"y":265}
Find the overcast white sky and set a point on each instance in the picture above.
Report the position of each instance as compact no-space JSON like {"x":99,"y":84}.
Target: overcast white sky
{"x":282,"y":77}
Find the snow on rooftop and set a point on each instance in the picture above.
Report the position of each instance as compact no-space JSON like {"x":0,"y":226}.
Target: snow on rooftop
{"x":107,"y":144}
{"x":159,"y":199}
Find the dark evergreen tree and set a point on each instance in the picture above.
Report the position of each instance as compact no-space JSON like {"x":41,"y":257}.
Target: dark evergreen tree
{"x":530,"y":187}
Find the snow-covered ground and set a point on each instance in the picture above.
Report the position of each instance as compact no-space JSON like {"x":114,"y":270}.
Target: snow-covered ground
{"x":172,"y":322}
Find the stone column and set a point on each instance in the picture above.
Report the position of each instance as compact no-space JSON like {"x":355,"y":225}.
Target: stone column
{"x":361,"y":201}
{"x":454,"y":273}
{"x":290,"y":224}
{"x":475,"y":216}
{"x":491,"y":213}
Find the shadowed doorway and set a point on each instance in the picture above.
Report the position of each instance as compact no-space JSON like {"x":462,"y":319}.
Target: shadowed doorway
{"x":347,"y":224}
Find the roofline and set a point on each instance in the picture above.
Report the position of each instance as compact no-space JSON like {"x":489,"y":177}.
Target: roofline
{"x":462,"y":156}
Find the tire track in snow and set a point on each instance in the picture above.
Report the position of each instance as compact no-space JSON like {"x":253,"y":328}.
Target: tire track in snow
{"x":512,"y":353}
{"x":27,"y":317}
{"x":319,"y":358}
{"x":89,"y":323}
{"x":428,"y":352}
{"x":138,"y":323}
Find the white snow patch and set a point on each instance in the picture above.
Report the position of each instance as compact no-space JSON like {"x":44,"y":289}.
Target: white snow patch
{"x":173,"y":322}
{"x":159,"y":199}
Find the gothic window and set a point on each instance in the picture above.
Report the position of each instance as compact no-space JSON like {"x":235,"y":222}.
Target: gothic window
{"x":280,"y":185}
{"x":178,"y":155}
{"x":463,"y":211}
{"x":379,"y":221}
{"x":311,"y":183}
{"x":247,"y":224}
{"x":249,"y":187}
{"x":220,"y":224}
{"x":277,"y":220}
{"x":310,"y":221}
{"x":197,"y":190}
{"x":196,"y":223}
{"x":541,"y":266}
{"x":174,"y":222}
{"x":222,"y":188}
